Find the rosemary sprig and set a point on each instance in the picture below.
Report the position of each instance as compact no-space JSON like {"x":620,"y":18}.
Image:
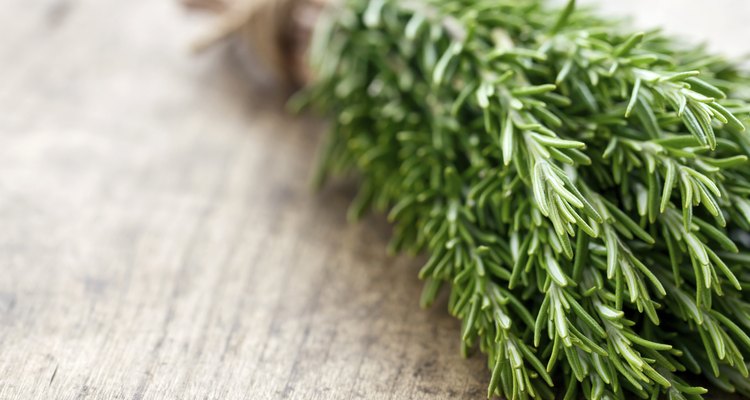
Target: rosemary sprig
{"x":576,"y":187}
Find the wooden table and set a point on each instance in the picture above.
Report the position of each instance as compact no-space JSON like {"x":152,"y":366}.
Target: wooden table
{"x":160,"y":240}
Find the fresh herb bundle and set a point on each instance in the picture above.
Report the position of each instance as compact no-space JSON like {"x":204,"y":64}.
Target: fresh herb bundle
{"x":581,"y":190}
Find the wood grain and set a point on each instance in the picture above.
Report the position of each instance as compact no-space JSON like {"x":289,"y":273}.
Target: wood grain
{"x":160,"y":241}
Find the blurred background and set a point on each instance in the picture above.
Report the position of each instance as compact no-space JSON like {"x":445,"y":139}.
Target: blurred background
{"x":159,"y":237}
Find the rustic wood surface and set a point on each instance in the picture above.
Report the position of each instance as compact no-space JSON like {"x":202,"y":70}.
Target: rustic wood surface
{"x":159,"y":238}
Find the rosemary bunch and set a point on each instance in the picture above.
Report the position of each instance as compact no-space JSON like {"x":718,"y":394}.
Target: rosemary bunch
{"x":579,"y":188}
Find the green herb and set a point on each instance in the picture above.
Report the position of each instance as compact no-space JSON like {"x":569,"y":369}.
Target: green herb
{"x":579,"y":188}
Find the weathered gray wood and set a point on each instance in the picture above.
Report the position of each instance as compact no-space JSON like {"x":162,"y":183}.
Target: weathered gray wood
{"x":159,"y":238}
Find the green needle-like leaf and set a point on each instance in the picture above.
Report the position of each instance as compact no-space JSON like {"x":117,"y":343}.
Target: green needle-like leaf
{"x":581,"y":191}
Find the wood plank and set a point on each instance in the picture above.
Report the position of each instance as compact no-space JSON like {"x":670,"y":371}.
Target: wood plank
{"x":160,"y":238}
